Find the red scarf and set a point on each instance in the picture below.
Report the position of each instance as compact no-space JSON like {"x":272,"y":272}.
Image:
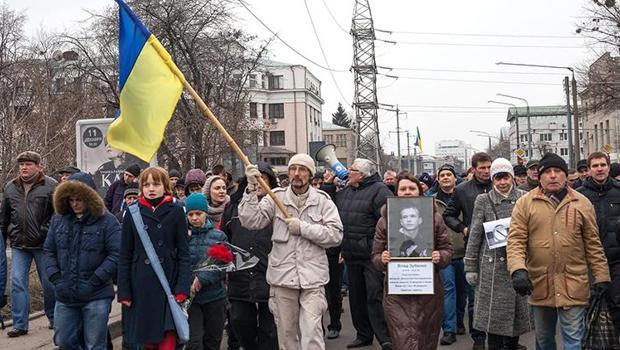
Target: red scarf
{"x":142,"y":201}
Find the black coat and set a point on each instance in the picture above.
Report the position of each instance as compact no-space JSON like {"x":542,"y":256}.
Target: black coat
{"x":248,"y":285}
{"x":149,"y":315}
{"x":462,"y":201}
{"x":360,"y":209}
{"x":606,"y":201}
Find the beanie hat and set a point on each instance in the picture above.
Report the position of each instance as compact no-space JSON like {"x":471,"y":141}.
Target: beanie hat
{"x":84,"y":178}
{"x":552,"y":160}
{"x":582,"y":163}
{"x":614,"y":170}
{"x":207,"y":187}
{"x":133,"y":169}
{"x":447,"y":167}
{"x":180,"y":183}
{"x":519,"y":170}
{"x":195,"y":176}
{"x":427,"y":179}
{"x":174,"y":173}
{"x":501,"y":165}
{"x":303,"y":160}
{"x":131,"y":189}
{"x":29,"y":156}
{"x":196,"y":201}
{"x":531,"y":163}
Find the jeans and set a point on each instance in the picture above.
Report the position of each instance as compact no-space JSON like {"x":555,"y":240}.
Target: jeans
{"x":572,"y":326}
{"x":206,"y":325}
{"x":455,"y":296}
{"x":82,"y":327}
{"x":333,"y":293}
{"x":20,"y":295}
{"x":254,"y":324}
{"x":2,"y":266}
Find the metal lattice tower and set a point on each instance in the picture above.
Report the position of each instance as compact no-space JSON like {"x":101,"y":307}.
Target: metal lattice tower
{"x":365,"y":79}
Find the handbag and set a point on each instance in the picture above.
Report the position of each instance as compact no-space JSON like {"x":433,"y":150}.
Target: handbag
{"x":600,"y":331}
{"x":179,"y":315}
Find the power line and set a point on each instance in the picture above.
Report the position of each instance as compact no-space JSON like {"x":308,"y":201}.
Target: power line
{"x":490,"y":35}
{"x":316,"y":35}
{"x":468,"y":71}
{"x":452,"y":111}
{"x":287,"y":44}
{"x":334,"y":18}
{"x":468,"y":80}
{"x":427,"y":43}
{"x":464,"y":107}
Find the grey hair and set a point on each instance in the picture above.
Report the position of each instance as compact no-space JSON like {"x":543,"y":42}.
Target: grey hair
{"x":390,"y":172}
{"x":365,"y":166}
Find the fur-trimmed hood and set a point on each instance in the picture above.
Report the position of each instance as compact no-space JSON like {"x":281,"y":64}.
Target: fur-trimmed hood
{"x":94,"y":203}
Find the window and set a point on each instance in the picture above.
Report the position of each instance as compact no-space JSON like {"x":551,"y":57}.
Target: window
{"x":524,"y":138}
{"x":341,"y":140}
{"x":563,"y":136}
{"x":253,"y":110}
{"x":607,"y":136}
{"x":276,"y":161}
{"x":264,"y":111}
{"x":276,"y":138}
{"x":276,"y":110}
{"x":545,"y":137}
{"x":563,"y":151}
{"x":275,"y":82}
{"x":253,"y":80}
{"x":328,"y":138}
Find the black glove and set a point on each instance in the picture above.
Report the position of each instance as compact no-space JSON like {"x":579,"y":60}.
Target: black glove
{"x":521,"y":282}
{"x":3,"y":301}
{"x":600,"y":289}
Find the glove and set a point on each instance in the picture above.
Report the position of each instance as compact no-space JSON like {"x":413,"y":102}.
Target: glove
{"x":521,"y":282}
{"x":600,"y":289}
{"x":472,"y":278}
{"x":251,"y":172}
{"x":294,"y":225}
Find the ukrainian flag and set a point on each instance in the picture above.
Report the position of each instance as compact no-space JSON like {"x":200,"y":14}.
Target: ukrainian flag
{"x":418,"y":140}
{"x":150,"y":85}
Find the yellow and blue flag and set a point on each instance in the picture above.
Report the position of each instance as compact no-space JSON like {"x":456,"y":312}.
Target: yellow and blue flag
{"x":150,"y":85}
{"x":418,"y":140}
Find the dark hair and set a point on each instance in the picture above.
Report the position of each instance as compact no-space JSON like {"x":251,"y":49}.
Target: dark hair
{"x":217,"y":169}
{"x":410,"y":177}
{"x":480,"y":157}
{"x":597,"y":155}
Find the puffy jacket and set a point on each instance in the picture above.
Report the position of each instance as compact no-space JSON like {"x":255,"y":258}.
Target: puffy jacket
{"x":81,"y":254}
{"x":606,"y":201}
{"x":556,"y":245}
{"x":360,"y":210}
{"x":25,"y":218}
{"x":114,"y":196}
{"x":297,"y":262}
{"x":212,"y":281}
{"x":463,"y":203}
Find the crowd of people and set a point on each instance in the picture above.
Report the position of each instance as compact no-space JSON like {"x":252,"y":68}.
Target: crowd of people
{"x":313,"y":232}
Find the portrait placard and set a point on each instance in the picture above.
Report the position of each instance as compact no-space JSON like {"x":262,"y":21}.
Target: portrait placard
{"x":410,"y":227}
{"x":496,"y":232}
{"x":410,"y":277}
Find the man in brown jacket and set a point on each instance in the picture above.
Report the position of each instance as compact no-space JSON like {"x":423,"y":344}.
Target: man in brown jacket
{"x":554,"y":240}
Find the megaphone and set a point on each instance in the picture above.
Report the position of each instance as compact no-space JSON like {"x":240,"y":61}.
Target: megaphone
{"x":327,"y":154}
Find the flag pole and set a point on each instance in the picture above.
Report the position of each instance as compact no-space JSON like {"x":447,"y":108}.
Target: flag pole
{"x":206,"y":112}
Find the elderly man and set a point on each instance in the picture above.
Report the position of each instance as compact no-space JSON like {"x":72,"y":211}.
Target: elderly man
{"x":359,"y":205}
{"x":532,"y":176}
{"x":552,"y":244}
{"x":389,"y":179}
{"x":297,"y":269}
{"x":25,"y":216}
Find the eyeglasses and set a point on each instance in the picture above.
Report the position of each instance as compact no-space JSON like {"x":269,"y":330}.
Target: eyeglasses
{"x":354,"y":170}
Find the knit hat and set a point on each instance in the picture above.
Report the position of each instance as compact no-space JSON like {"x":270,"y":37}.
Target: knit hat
{"x":180,"y":183}
{"x":447,"y":167}
{"x":303,"y":160}
{"x":131,"y":189}
{"x":427,"y":179}
{"x":174,"y":173}
{"x":84,"y":178}
{"x":614,"y":169}
{"x":196,"y":201}
{"x":29,"y":156}
{"x":582,"y":163}
{"x":519,"y":170}
{"x":531,"y":163}
{"x":207,"y":187}
{"x":133,"y":169}
{"x":195,"y":176}
{"x":501,"y":165}
{"x":552,"y":160}
{"x":68,"y":170}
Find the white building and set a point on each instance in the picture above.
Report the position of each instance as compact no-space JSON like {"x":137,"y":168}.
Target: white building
{"x":454,"y":149}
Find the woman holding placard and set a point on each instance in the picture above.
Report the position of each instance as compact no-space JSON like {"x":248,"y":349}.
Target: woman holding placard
{"x":414,"y":321}
{"x":498,"y":309}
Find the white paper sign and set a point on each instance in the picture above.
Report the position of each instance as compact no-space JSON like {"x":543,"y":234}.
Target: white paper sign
{"x":410,"y":277}
{"x":496,"y":232}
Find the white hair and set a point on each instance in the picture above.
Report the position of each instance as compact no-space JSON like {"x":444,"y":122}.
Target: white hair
{"x":365,"y":166}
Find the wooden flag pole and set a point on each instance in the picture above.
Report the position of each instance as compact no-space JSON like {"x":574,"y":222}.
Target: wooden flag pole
{"x":206,"y":112}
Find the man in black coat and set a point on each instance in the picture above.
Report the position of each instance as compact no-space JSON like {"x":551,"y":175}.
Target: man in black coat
{"x":462,"y":202}
{"x":532,"y":176}
{"x":604,"y":193}
{"x":359,"y":205}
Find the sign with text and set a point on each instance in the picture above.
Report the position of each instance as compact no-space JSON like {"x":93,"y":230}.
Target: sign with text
{"x":410,"y":277}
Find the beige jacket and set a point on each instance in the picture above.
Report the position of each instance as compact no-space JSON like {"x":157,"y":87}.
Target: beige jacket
{"x":296,"y":262}
{"x":556,"y":246}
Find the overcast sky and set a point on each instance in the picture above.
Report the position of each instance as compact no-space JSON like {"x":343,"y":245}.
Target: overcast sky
{"x":440,"y":106}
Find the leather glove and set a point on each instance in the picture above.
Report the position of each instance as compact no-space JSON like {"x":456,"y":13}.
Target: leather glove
{"x":3,"y":301}
{"x":521,"y":282}
{"x":294,"y":225}
{"x":600,"y":289}
{"x":251,"y":172}
{"x":472,"y":278}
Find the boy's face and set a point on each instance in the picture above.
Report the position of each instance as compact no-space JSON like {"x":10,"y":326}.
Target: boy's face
{"x":197,"y":218}
{"x":130,"y":199}
{"x":180,"y":191}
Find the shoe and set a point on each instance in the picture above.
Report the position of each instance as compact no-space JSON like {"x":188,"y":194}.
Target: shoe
{"x":358,"y":343}
{"x":460,"y":330}
{"x":333,"y":334}
{"x":16,"y":333}
{"x":448,"y":338}
{"x":479,"y":344}
{"x":50,"y":325}
{"x":386,"y":346}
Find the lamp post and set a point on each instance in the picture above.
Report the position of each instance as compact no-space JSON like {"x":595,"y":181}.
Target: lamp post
{"x":529,"y":122}
{"x":516,"y":118}
{"x":576,"y":144}
{"x":485,"y":134}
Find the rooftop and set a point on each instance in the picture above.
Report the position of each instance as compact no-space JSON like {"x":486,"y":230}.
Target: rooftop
{"x":536,"y":111}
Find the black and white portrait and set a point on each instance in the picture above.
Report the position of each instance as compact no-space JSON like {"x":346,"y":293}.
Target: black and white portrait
{"x":410,"y":227}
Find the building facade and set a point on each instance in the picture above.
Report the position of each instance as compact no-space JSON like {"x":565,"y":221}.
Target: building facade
{"x":454,"y":149}
{"x":344,"y":140}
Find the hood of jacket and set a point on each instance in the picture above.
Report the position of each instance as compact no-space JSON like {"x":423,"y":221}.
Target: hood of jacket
{"x":94,"y":204}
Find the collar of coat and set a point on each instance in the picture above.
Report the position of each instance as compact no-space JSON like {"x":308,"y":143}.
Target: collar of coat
{"x":367,"y":181}
{"x":514,"y":194}
{"x":313,"y":197}
{"x":600,"y":188}
{"x":570,"y":196}
{"x":39,"y":180}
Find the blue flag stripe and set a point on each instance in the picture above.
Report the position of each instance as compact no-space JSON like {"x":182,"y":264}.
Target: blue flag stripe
{"x":131,"y":39}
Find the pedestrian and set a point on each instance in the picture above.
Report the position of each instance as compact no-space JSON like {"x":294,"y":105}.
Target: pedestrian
{"x":359,"y":205}
{"x":389,"y":179}
{"x":147,"y":318}
{"x":552,"y":244}
{"x":520,"y":174}
{"x":248,"y":291}
{"x":427,"y":181}
{"x":604,"y":193}
{"x":458,"y":215}
{"x":194,"y":180}
{"x":414,"y":321}
{"x":572,"y":178}
{"x":25,"y":214}
{"x":130,"y":196}
{"x":582,"y":169}
{"x":81,"y":255}
{"x":215,"y":189}
{"x":175,"y":175}
{"x":207,"y":310}
{"x":65,"y":172}
{"x":317,"y":180}
{"x":532,"y":176}
{"x":114,"y":196}
{"x":614,"y":171}
{"x":453,"y":276}
{"x":298,"y":269}
{"x":179,"y":190}
{"x":499,"y":310}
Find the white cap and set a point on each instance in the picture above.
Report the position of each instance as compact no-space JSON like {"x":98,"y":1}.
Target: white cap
{"x":501,"y":165}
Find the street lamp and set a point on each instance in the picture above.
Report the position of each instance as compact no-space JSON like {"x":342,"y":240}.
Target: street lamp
{"x":529,"y":122}
{"x":516,"y":117}
{"x":485,"y":134}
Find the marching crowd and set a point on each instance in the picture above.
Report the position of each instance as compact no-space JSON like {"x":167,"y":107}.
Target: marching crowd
{"x":310,"y":235}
